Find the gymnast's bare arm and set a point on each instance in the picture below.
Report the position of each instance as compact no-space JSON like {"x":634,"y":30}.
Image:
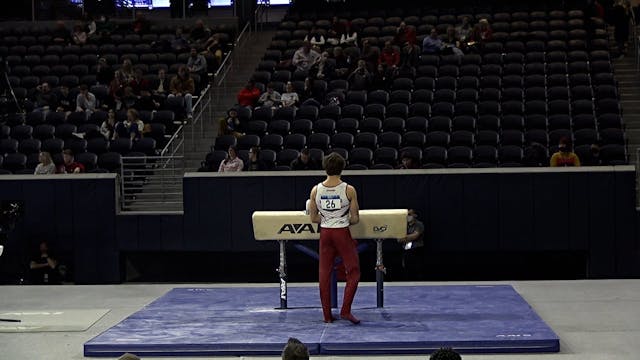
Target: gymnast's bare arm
{"x":313,"y":207}
{"x":354,"y":208}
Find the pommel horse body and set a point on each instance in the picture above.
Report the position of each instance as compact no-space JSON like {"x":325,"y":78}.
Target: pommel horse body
{"x":284,"y":226}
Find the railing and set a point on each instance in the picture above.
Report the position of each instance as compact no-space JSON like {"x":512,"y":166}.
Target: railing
{"x":201,"y":112}
{"x":637,"y":178}
{"x":151,"y":183}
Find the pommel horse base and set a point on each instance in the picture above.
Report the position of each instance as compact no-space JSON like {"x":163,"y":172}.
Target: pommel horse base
{"x":283,"y":226}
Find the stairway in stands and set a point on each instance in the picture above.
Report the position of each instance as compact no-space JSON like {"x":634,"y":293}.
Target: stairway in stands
{"x":628,"y":79}
{"x":244,"y":64}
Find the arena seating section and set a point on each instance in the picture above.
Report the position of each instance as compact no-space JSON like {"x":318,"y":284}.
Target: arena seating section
{"x":33,"y":59}
{"x":543,"y":76}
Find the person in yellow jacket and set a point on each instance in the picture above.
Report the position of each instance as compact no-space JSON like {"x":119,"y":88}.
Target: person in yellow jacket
{"x":564,"y":156}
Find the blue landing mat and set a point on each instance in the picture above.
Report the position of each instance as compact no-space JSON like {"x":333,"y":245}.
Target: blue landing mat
{"x":244,"y":321}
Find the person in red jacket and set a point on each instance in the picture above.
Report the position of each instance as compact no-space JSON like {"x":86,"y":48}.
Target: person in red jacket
{"x":249,"y":94}
{"x":389,"y":56}
{"x":404,"y":35}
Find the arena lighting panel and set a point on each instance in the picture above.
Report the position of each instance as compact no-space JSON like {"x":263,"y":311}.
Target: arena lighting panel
{"x":152,"y":4}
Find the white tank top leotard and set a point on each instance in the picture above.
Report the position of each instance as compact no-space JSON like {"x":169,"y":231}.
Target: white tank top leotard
{"x":333,"y":205}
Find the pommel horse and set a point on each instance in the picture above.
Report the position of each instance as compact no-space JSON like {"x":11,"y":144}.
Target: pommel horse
{"x":284,"y":226}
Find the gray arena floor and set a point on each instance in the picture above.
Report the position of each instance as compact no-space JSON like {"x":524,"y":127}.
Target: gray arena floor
{"x":595,"y":319}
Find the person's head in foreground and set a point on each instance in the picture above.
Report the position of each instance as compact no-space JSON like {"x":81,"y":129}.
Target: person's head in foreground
{"x":445,"y":354}
{"x":128,"y":356}
{"x":333,"y":164}
{"x":295,"y":350}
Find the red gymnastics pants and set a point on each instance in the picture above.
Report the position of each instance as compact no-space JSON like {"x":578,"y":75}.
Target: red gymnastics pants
{"x":338,"y":242}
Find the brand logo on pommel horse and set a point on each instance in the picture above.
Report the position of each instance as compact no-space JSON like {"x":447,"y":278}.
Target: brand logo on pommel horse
{"x":298,"y":228}
{"x":382,"y":228}
{"x":283,"y":289}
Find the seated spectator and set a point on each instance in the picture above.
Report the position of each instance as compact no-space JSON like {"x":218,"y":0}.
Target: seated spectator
{"x":104,"y":72}
{"x":451,"y":43}
{"x":315,"y":37}
{"x":370,"y":55}
{"x":410,"y":56}
{"x":295,"y":350}
{"x":290,"y":96}
{"x":432,"y":43}
{"x":139,"y":83}
{"x":128,"y":99}
{"x":134,"y":125}
{"x":43,"y":267}
{"x":249,"y":94}
{"x":44,"y":98}
{"x":86,"y":101}
{"x":593,"y":158}
{"x":464,"y":29}
{"x":407,"y":161}
{"x":140,"y":25}
{"x":125,"y":74}
{"x":304,"y":58}
{"x":200,"y":33}
{"x":108,"y":127}
{"x":197,"y":64}
{"x":255,"y":163}
{"x":350,"y":36}
{"x":79,"y":36}
{"x":445,"y":354}
{"x":120,"y":130}
{"x":69,"y":165}
{"x":360,"y":78}
{"x":160,"y":92}
{"x":337,"y":29}
{"x":381,"y":79}
{"x":45,"y":165}
{"x":564,"y":156}
{"x":215,"y":48}
{"x":404,"y":35}
{"x":323,"y":69}
{"x":182,"y":85}
{"x":104,"y":26}
{"x":66,"y":102}
{"x":343,"y":63}
{"x":146,"y":102}
{"x":389,"y":56}
{"x":481,"y":33}
{"x":232,"y":162}
{"x":60,"y":34}
{"x":312,"y":95}
{"x":180,"y":42}
{"x":269,"y":98}
{"x":305,"y":162}
{"x":89,"y":25}
{"x":232,"y":124}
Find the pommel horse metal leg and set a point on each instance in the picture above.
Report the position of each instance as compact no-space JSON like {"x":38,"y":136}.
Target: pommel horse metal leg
{"x":282,"y":272}
{"x":380,"y":271}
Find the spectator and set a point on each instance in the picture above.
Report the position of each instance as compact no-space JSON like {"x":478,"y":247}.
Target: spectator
{"x":200,"y":33}
{"x":255,"y":163}
{"x":79,"y":36}
{"x":125,"y":75}
{"x":69,"y":165}
{"x":43,"y":267}
{"x":197,"y":64}
{"x":249,"y":94}
{"x":535,"y":155}
{"x":445,"y":354}
{"x":90,"y":25}
{"x":120,"y":130}
{"x":146,"y":102}
{"x":464,"y":29}
{"x":311,"y":94}
{"x":295,"y":350}
{"x":60,"y":35}
{"x":409,"y":57}
{"x":44,"y":98}
{"x":107,"y":129}
{"x":139,"y":83}
{"x":160,"y":92}
{"x":305,"y":162}
{"x":381,"y":80}
{"x":45,"y":165}
{"x":593,"y":158}
{"x":389,"y":56}
{"x":323,"y":69}
{"x":370,"y":55}
{"x":129,"y":356}
{"x":564,"y":156}
{"x":134,"y":125}
{"x":413,"y":248}
{"x":182,"y":85}
{"x":315,"y":37}
{"x":85,"y":101}
{"x":215,"y":48}
{"x":104,"y":72}
{"x":180,"y":42}
{"x":290,"y":96}
{"x":432,"y":43}
{"x":408,"y":161}
{"x":451,"y":43}
{"x":360,"y":78}
{"x":305,"y":57}
{"x":128,"y":99}
{"x":232,"y":162}
{"x":140,"y":25}
{"x":342,"y":64}
{"x":404,"y":35}
{"x":270,"y":98}
{"x":232,"y":125}
{"x":485,"y":32}
{"x":104,"y":26}
{"x":66,"y":102}
{"x":350,"y":36}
